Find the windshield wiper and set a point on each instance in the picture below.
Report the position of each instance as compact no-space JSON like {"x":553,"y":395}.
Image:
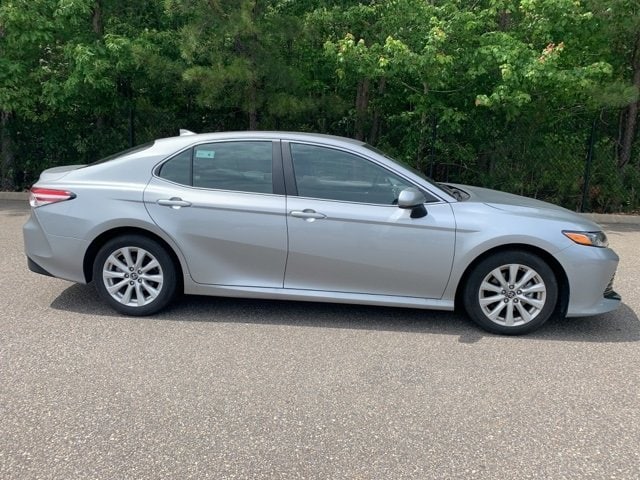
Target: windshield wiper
{"x":455,"y":192}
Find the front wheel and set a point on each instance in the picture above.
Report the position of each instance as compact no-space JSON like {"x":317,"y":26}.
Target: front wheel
{"x":511,"y":292}
{"x":135,"y":275}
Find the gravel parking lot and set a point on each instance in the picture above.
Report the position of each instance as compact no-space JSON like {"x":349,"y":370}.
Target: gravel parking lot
{"x":227,"y":388}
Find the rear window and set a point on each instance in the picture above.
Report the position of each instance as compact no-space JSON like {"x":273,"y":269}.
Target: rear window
{"x":128,"y":151}
{"x":242,"y":166}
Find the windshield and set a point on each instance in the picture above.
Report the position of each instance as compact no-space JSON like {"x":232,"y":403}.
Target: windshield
{"x":137,"y":148}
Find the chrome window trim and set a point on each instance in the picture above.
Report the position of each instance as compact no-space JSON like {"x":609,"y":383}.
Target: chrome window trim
{"x":158,"y":166}
{"x":421,"y":187}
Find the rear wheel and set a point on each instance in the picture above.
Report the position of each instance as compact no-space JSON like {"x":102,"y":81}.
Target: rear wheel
{"x":135,"y":275}
{"x":511,"y":292}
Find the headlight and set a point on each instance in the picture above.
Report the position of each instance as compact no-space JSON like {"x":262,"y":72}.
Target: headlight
{"x":592,"y":239}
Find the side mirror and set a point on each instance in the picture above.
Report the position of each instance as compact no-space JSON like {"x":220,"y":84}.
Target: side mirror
{"x":412,"y":198}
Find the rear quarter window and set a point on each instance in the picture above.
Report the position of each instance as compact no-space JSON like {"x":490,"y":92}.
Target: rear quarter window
{"x":177,"y":169}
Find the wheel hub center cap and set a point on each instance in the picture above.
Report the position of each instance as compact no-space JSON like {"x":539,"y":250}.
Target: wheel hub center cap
{"x":134,"y":276}
{"x":511,"y":294}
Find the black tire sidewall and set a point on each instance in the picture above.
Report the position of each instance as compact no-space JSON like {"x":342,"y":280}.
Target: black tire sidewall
{"x":169,"y":283}
{"x":480,"y":271}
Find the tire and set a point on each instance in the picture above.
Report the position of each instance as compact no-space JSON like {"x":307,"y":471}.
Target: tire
{"x":501,"y":304}
{"x":143,"y":271}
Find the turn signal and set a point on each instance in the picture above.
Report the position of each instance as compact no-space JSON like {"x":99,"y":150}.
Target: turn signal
{"x":591,"y":239}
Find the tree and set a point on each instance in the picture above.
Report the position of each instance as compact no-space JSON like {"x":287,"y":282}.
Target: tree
{"x":25,"y":28}
{"x":502,"y":93}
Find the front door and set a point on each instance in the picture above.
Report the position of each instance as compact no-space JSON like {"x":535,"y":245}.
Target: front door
{"x":347,"y":235}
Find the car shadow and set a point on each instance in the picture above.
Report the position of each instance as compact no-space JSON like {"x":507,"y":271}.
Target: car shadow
{"x":619,"y":326}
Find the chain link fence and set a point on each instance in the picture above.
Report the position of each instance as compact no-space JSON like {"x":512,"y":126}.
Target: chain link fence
{"x":582,"y":176}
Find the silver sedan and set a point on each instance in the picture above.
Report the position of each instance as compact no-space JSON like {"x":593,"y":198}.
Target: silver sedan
{"x":311,"y":217}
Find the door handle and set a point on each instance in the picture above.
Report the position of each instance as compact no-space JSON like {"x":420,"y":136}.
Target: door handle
{"x":308,"y":214}
{"x":173,"y":202}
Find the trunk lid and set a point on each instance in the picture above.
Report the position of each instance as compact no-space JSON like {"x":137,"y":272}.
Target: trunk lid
{"x":56,"y":173}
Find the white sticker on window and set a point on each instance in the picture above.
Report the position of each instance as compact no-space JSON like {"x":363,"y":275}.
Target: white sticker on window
{"x":205,"y":154}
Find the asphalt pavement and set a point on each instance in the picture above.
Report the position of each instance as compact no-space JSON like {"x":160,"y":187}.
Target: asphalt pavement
{"x":226,"y":388}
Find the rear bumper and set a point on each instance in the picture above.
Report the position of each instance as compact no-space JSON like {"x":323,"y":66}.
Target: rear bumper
{"x":52,"y":255}
{"x":35,"y":268}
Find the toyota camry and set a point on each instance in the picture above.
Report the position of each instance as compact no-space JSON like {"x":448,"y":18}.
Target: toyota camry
{"x":311,"y":217}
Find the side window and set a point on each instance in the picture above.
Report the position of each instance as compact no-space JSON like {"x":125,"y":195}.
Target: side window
{"x":178,"y":169}
{"x":336,"y":175}
{"x":240,"y":166}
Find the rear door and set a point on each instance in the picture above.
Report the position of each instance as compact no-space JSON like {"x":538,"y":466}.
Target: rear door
{"x":223,"y":203}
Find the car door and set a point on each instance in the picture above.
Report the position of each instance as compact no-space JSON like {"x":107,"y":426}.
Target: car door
{"x":347,"y":235}
{"x":221,"y":205}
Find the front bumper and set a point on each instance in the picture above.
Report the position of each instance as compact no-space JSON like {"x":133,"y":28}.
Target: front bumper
{"x":590,"y":272}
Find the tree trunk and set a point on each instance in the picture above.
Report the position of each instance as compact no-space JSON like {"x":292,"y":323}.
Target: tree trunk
{"x":421,"y":153}
{"x":504,"y":21}
{"x":630,"y":115}
{"x":7,"y":159}
{"x":254,"y":86}
{"x":98,"y":30}
{"x":253,"y":105}
{"x":96,"y":19}
{"x":132,"y":114}
{"x":6,"y":147}
{"x":362,"y":105}
{"x":375,"y":123}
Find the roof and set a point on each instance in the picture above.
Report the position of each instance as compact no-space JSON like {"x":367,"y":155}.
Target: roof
{"x":188,"y":139}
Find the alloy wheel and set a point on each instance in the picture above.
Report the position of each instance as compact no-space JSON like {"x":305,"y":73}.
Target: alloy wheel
{"x":512,"y":295}
{"x":133,"y":276}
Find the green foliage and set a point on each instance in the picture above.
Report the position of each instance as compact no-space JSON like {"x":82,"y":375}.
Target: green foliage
{"x":500,"y":93}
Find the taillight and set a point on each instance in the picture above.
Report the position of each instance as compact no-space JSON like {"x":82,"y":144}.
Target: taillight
{"x":44,"y":196}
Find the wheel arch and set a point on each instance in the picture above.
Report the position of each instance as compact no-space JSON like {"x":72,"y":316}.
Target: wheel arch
{"x":104,"y":237}
{"x":556,"y":267}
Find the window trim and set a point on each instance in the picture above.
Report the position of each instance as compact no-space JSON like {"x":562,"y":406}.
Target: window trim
{"x":277,"y":177}
{"x":292,"y":187}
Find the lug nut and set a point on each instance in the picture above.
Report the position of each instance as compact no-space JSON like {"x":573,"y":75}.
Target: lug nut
{"x":511,"y":287}
{"x":515,"y":300}
{"x":126,"y":275}
{"x":506,"y":300}
{"x":131,"y":269}
{"x":519,"y":292}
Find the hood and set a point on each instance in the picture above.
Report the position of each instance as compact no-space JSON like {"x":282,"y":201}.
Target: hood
{"x":509,"y":202}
